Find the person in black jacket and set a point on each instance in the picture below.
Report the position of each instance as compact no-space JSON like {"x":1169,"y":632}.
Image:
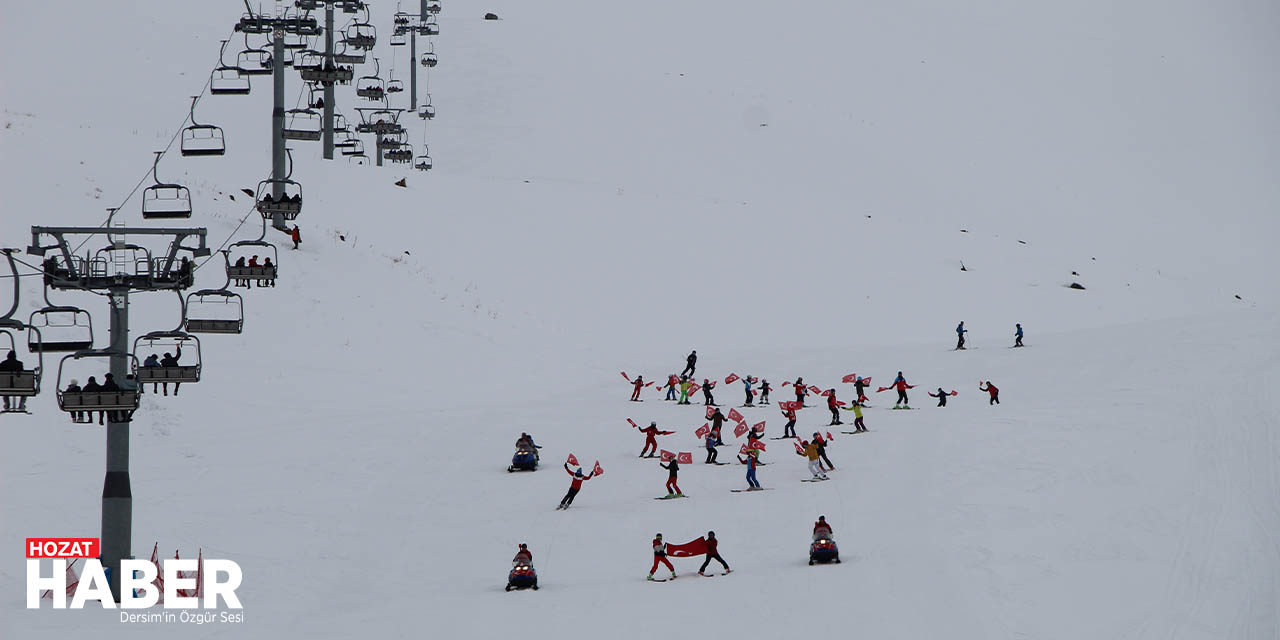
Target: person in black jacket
{"x":713,"y":553}
{"x":74,"y":388}
{"x":673,"y":469}
{"x":941,"y":396}
{"x":707,"y":398}
{"x":691,"y":363}
{"x":170,"y":360}
{"x":764,"y":391}
{"x":11,"y":364}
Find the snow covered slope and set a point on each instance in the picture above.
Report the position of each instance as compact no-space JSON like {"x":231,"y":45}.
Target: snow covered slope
{"x":791,"y":191}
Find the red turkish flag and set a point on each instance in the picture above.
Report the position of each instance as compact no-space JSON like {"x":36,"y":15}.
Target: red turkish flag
{"x":694,"y":388}
{"x":853,"y":377}
{"x":743,"y":450}
{"x":666,"y":456}
{"x":633,"y":423}
{"x":710,"y":412}
{"x":740,"y":429}
{"x":828,"y":393}
{"x":731,"y":378}
{"x":867,"y":381}
{"x":814,"y":388}
{"x":688,"y":550}
{"x":789,"y":405}
{"x":624,"y":376}
{"x":757,"y":444}
{"x":829,"y":437}
{"x":799,"y":449}
{"x":703,"y":431}
{"x":759,"y":426}
{"x":735,"y":416}
{"x":839,"y":403}
{"x":685,"y":458}
{"x":599,"y":470}
{"x":786,"y":382}
{"x":573,"y":460}
{"x":954,"y":392}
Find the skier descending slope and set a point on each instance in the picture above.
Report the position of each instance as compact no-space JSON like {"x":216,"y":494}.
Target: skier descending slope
{"x":899,"y":383}
{"x":789,"y":430}
{"x":710,"y":442}
{"x":941,"y":396}
{"x":660,"y":555}
{"x":992,"y":390}
{"x":690,"y":363}
{"x":1017,"y":335}
{"x":574,"y":486}
{"x":650,"y":439}
{"x":858,"y":426}
{"x":860,"y":387}
{"x":750,"y":461}
{"x":673,"y":470}
{"x":811,"y":452}
{"x":960,"y":331}
{"x":684,"y":390}
{"x":712,"y":554}
{"x":822,"y":450}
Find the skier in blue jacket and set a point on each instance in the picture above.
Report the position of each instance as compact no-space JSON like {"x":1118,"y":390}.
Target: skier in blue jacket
{"x":711,"y":448}
{"x":751,"y":396}
{"x":960,"y":331}
{"x":1017,"y":335}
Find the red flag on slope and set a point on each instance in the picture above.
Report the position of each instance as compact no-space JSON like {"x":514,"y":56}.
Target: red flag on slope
{"x":633,"y":423}
{"x":853,"y":377}
{"x":757,"y":444}
{"x":740,"y":429}
{"x":666,"y":456}
{"x":624,"y":376}
{"x":573,"y":460}
{"x":735,"y":416}
{"x":731,"y":378}
{"x":685,"y":457}
{"x":703,"y":431}
{"x":598,"y":470}
{"x":688,"y":550}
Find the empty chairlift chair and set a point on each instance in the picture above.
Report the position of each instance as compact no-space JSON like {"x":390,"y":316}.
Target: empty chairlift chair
{"x":302,"y":124}
{"x":255,"y":62}
{"x":214,"y":311}
{"x":97,"y":395}
{"x":279,"y":197}
{"x":165,"y":200}
{"x":60,"y":329}
{"x":167,"y":356}
{"x":202,"y":139}
{"x":228,"y":79}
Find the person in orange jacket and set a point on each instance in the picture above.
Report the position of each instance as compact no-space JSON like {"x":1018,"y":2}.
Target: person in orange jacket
{"x":296,"y":236}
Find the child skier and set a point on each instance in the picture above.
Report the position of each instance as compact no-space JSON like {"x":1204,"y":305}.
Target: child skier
{"x":941,"y":396}
{"x":707,"y":398}
{"x":672,"y":383}
{"x":684,"y":390}
{"x":764,"y":392}
{"x":660,"y":555}
{"x":856,"y":408}
{"x":815,"y":467}
{"x":638,"y":384}
{"x":751,"y":395}
{"x":712,"y":554}
{"x":574,"y":486}
{"x":960,"y":331}
{"x":789,"y":430}
{"x":991,"y":389}
{"x":1017,"y":335}
{"x":834,"y":406}
{"x":650,"y":439}
{"x":711,"y":448}
{"x":750,"y":461}
{"x":673,"y":469}
{"x":801,"y":391}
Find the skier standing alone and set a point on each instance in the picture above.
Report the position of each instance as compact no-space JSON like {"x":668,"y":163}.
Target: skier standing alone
{"x":673,"y":469}
{"x":941,"y":396}
{"x":639,"y":384}
{"x":660,"y":555}
{"x":712,"y":554}
{"x":574,"y":486}
{"x":1017,"y":335}
{"x":900,"y":383}
{"x":789,"y":430}
{"x":991,"y":389}
{"x":801,"y":391}
{"x":690,"y":363}
{"x":960,"y":331}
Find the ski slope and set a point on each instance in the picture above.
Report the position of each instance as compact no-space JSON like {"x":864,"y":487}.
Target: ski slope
{"x":788,"y":190}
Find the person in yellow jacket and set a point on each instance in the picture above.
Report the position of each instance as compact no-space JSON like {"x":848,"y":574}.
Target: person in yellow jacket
{"x":684,"y":390}
{"x":856,"y":408}
{"x":815,"y":467}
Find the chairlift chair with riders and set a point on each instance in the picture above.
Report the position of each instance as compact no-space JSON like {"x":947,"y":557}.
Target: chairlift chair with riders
{"x":401,"y":155}
{"x":16,"y":379}
{"x":429,"y":58}
{"x":202,"y":139}
{"x":349,"y":55}
{"x":81,"y":401}
{"x":164,"y":200}
{"x":426,"y":110}
{"x":288,"y":204}
{"x":214,"y":311}
{"x":227,"y":79}
{"x":433,"y":7}
{"x":395,"y":86}
{"x":181,"y":344}
{"x":370,"y":88}
{"x":247,"y":250}
{"x":361,"y":35}
{"x":422,"y":162}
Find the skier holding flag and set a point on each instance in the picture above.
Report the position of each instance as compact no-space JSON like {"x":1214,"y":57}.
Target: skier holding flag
{"x":638,"y":384}
{"x":764,"y":391}
{"x":856,"y":408}
{"x":942,"y":396}
{"x":834,"y":406}
{"x":899,"y":383}
{"x":751,"y":460}
{"x":801,"y":391}
{"x":673,"y":469}
{"x":992,"y":390}
{"x":574,"y":486}
{"x":650,"y":438}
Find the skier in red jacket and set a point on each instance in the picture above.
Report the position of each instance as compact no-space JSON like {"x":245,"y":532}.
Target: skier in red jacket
{"x":574,"y":486}
{"x":899,"y":383}
{"x":638,"y":384}
{"x":296,"y":236}
{"x":789,"y":430}
{"x":991,"y":389}
{"x":821,"y":526}
{"x":650,"y":440}
{"x":834,"y":406}
{"x":660,"y":555}
{"x":801,"y":391}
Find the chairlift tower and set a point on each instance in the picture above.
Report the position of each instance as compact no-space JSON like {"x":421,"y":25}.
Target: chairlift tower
{"x":295,"y":24}
{"x":101,"y":275}
{"x":413,"y":29}
{"x":347,"y":6}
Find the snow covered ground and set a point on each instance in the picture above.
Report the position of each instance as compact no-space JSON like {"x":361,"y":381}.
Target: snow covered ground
{"x":791,"y":191}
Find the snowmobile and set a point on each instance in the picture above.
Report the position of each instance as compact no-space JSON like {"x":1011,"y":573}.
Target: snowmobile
{"x":525,"y":459}
{"x":522,"y":576}
{"x":823,"y":549}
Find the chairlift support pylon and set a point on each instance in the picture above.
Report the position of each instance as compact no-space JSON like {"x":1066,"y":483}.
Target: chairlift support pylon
{"x":202,"y":139}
